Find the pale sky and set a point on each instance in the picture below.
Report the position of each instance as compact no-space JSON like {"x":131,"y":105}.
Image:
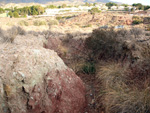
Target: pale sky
{"x":144,"y":2}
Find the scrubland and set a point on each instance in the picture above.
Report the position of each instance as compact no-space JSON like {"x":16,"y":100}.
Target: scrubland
{"x":113,"y":63}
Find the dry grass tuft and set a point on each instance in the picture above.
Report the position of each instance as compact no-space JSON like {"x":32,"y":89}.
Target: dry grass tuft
{"x":10,"y":34}
{"x":124,"y":89}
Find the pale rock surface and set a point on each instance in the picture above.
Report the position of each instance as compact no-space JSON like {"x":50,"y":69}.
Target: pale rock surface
{"x":36,"y":80}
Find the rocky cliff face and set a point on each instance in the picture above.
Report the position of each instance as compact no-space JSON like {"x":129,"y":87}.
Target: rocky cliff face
{"x":35,"y":80}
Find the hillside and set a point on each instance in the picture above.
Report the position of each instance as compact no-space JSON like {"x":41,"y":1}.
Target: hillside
{"x":45,"y":1}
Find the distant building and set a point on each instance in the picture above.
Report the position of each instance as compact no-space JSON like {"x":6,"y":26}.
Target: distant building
{"x":129,"y":7}
{"x":53,"y":12}
{"x":85,"y":8}
{"x":104,"y":7}
{"x":4,"y":15}
{"x":121,"y":8}
{"x":114,"y":8}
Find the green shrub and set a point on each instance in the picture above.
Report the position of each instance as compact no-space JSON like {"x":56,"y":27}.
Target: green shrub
{"x":58,"y":18}
{"x":135,"y":17}
{"x":137,"y":21}
{"x":89,"y":68}
{"x":2,"y":10}
{"x":23,"y":23}
{"x":89,"y":25}
{"x":15,"y":14}
{"x":10,"y":14}
{"x":94,"y":10}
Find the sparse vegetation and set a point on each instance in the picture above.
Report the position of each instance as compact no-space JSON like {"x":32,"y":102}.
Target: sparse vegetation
{"x":10,"y":34}
{"x":23,"y":23}
{"x":52,"y":6}
{"x":113,"y":62}
{"x":104,"y":44}
{"x":88,"y":25}
{"x":137,"y":20}
{"x":23,"y":12}
{"x":39,"y":22}
{"x":124,"y":90}
{"x":16,"y":15}
{"x":110,"y":4}
{"x":52,"y":22}
{"x":89,"y":68}
{"x":2,"y":10}
{"x":94,"y":10}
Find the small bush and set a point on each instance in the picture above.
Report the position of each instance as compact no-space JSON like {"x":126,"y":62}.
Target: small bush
{"x":89,"y":25}
{"x":39,"y":23}
{"x":2,"y":36}
{"x":15,"y":14}
{"x":13,"y":32}
{"x":94,"y":10}
{"x":137,"y":21}
{"x":135,"y":17}
{"x":89,"y":68}
{"x":147,"y":34}
{"x":23,"y":23}
{"x":58,"y":18}
{"x":136,"y":32}
{"x":104,"y":44}
{"x":53,"y":22}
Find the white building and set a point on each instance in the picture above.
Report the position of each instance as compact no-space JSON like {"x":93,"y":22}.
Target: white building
{"x":121,"y":8}
{"x":104,"y":7}
{"x":53,"y":12}
{"x":114,"y":8}
{"x":85,"y":8}
{"x":129,"y":7}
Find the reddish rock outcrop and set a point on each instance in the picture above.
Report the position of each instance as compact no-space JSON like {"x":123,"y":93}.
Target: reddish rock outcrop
{"x":36,"y":80}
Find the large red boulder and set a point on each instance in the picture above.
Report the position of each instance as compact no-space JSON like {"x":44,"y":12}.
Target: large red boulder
{"x":36,"y":80}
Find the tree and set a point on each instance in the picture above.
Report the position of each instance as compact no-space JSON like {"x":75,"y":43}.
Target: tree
{"x":7,"y":9}
{"x":93,"y":11}
{"x":94,"y":4}
{"x":51,"y":7}
{"x":10,"y":14}
{"x":146,"y":7}
{"x":138,"y":6}
{"x":126,"y":9}
{"x":64,"y":5}
{"x":40,"y":10}
{"x":125,"y":5}
{"x":2,"y":10}
{"x":110,"y":4}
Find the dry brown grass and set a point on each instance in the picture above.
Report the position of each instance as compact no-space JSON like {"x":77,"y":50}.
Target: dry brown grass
{"x":121,"y":91}
{"x":10,"y":34}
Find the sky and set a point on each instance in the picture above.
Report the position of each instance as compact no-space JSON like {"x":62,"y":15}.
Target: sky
{"x":144,"y":2}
